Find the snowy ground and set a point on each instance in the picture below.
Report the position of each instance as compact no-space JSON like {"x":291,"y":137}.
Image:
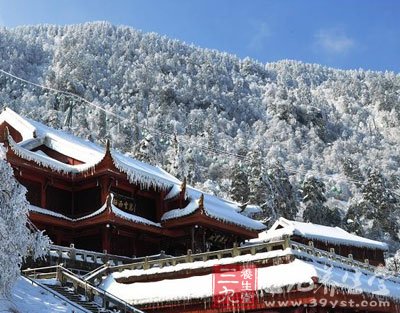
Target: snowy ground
{"x":28,"y":298}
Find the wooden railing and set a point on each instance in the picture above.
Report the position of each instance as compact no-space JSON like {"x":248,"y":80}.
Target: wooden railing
{"x":298,"y":249}
{"x":65,"y":255}
{"x":83,"y":262}
{"x":46,"y":272}
{"x":55,"y":294}
{"x":304,"y":250}
{"x":148,"y":263}
{"x":205,"y":256}
{"x":86,"y":283}
{"x":81,"y":286}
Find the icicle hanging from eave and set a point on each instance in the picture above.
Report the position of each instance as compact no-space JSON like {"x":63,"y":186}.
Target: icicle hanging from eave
{"x":141,"y":179}
{"x":38,"y":159}
{"x":47,"y":162}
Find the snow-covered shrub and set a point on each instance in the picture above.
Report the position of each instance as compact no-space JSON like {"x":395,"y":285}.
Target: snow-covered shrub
{"x":17,"y":241}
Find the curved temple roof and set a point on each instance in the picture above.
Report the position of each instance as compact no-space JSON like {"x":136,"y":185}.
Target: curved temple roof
{"x":35,"y":134}
{"x":335,"y":235}
{"x":271,"y":279}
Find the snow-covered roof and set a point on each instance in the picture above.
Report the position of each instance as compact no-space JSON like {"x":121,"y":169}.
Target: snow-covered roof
{"x":83,"y":150}
{"x":35,"y":134}
{"x":334,"y":235}
{"x":271,"y":279}
{"x":124,"y":215}
{"x":212,"y":208}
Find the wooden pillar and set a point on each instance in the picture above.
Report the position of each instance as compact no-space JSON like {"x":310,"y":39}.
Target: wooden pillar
{"x":204,"y":240}
{"x":72,"y":202}
{"x":192,"y":238}
{"x":43,"y":194}
{"x":104,"y":184}
{"x":106,"y":238}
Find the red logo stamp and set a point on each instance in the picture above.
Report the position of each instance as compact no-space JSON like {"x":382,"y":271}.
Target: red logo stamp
{"x":234,"y":285}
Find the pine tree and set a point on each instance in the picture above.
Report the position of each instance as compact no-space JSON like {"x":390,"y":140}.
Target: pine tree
{"x":256,"y":185}
{"x":259,"y":184}
{"x":282,"y":193}
{"x":352,"y":171}
{"x":239,"y":189}
{"x":382,"y":204}
{"x":146,"y":150}
{"x":393,"y":263}
{"x":313,"y":192}
{"x":16,"y":240}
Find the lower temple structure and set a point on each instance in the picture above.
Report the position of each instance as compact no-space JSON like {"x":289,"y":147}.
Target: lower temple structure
{"x":278,"y":276}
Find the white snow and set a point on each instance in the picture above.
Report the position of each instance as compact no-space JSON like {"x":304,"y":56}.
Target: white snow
{"x":133,"y":217}
{"x":335,"y":235}
{"x":114,"y":209}
{"x":189,"y":209}
{"x":204,"y":264}
{"x":31,"y":298}
{"x":59,"y":215}
{"x":216,"y":208}
{"x":26,"y":129}
{"x":88,"y":152}
{"x":175,"y":190}
{"x":271,"y":279}
{"x":48,"y":212}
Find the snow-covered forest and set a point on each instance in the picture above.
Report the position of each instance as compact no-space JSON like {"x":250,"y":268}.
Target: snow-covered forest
{"x":300,"y":140}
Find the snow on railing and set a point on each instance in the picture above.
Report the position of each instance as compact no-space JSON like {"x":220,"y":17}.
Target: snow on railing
{"x":69,"y":255}
{"x":64,"y":275}
{"x":332,"y":259}
{"x":90,"y":291}
{"x":55,"y":294}
{"x":198,"y":257}
{"x":297,"y":249}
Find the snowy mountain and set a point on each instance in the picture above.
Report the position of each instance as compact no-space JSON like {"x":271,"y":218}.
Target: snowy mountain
{"x":301,"y":140}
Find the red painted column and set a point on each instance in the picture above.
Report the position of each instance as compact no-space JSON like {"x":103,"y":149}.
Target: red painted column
{"x":105,"y":184}
{"x":106,"y":238}
{"x":43,"y":195}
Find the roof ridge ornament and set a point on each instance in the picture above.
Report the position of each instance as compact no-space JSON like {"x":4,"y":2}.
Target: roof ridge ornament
{"x":183,"y":185}
{"x":108,"y":158}
{"x":201,"y":204}
{"x":6,"y":135}
{"x":108,"y":146}
{"x":243,"y":206}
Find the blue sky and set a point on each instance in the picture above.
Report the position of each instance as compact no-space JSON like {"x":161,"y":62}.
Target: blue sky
{"x":346,"y":34}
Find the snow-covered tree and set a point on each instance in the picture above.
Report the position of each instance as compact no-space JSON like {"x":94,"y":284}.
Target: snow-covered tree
{"x":393,"y":262}
{"x":377,"y":209}
{"x":239,"y":188}
{"x":281,"y":192}
{"x":17,"y":241}
{"x":316,"y":211}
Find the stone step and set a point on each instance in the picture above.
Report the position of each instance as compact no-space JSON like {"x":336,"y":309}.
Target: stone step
{"x":78,"y":299}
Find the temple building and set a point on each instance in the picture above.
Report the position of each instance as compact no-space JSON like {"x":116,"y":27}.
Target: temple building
{"x":332,"y":239}
{"x":99,"y":199}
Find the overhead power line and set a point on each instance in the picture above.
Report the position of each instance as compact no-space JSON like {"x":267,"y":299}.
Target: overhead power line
{"x":170,"y":135}
{"x":122,"y":118}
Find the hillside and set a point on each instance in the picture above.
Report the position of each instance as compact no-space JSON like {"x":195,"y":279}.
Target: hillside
{"x":301,"y":140}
